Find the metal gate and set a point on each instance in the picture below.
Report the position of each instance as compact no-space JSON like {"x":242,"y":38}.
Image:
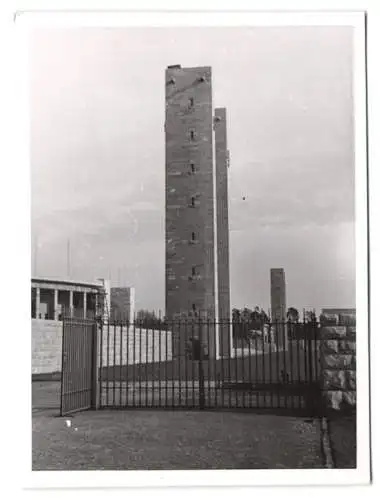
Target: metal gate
{"x":172,"y":365}
{"x":79,"y":365}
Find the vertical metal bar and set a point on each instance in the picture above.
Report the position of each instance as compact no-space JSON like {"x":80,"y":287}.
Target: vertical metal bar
{"x":166,"y":362}
{"x":244,"y":337}
{"x":220,"y":377}
{"x":126,"y":371}
{"x":192,"y":361}
{"x":153,"y":363}
{"x":108,"y":363}
{"x":310,"y":363}
{"x":159,"y":362}
{"x":285,"y":365}
{"x":257,"y":395}
{"x":140,"y":354}
{"x":134,"y":364}
{"x":81,"y":334}
{"x":200,"y":370}
{"x":290,"y":347}
{"x":146,"y":364}
{"x":209,"y":360}
{"x":216,"y":328}
{"x":94,"y":371}
{"x":249,"y":372}
{"x":264,"y":364}
{"x":279,"y":381}
{"x":187,"y":356}
{"x":305,"y":358}
{"x":63,"y":368}
{"x":173,"y":365}
{"x":270,"y":366}
{"x":300,"y":331}
{"x":230,"y":349}
{"x":101,"y":365}
{"x":236,"y":366}
{"x":179,"y":362}
{"x":121,"y":365}
{"x":114,"y":363}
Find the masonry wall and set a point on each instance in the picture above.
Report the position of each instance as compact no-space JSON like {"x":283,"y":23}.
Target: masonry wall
{"x":130,"y":346}
{"x":338,"y":361}
{"x":189,"y":175}
{"x":46,"y":346}
{"x":278,"y":294}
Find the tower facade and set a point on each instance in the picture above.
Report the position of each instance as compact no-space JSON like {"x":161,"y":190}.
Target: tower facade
{"x":192,"y":203}
{"x":278,"y":294}
{"x":222,"y":229}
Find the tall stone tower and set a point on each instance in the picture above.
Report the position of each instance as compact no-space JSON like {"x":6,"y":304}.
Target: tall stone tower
{"x":278,"y":294}
{"x":222,"y":229}
{"x":195,"y":171}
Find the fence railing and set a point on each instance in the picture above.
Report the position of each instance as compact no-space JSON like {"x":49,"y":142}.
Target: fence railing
{"x":208,"y":364}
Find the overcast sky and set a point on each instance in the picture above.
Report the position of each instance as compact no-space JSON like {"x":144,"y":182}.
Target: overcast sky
{"x":98,"y":156}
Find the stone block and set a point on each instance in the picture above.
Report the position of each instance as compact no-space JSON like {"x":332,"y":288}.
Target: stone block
{"x":333,"y":332}
{"x":334,"y":379}
{"x":337,"y":361}
{"x":331,"y":346}
{"x":351,"y":380}
{"x":347,"y":346}
{"x":351,"y":331}
{"x":349,"y":398}
{"x":334,"y":399}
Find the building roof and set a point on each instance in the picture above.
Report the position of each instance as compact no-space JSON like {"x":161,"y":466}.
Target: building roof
{"x":68,"y":282}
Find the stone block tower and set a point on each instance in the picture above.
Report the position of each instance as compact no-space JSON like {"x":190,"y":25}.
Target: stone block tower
{"x":194,"y":163}
{"x":278,"y":294}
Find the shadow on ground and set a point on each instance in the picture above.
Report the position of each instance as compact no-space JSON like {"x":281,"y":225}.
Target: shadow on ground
{"x":342,"y":432}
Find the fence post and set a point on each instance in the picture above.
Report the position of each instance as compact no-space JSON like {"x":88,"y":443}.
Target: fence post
{"x":201,"y":374}
{"x":95,"y":393}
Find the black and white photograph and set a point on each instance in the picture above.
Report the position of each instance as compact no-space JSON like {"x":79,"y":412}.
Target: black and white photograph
{"x":197,"y":194}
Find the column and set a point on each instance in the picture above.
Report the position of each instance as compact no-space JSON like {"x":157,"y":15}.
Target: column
{"x":84,"y":304}
{"x":55,"y":304}
{"x":71,"y":302}
{"x":37,"y":303}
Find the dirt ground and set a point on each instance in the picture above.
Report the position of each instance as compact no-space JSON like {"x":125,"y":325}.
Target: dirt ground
{"x":167,"y":439}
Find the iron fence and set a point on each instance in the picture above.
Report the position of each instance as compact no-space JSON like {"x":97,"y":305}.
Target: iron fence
{"x":206,"y":364}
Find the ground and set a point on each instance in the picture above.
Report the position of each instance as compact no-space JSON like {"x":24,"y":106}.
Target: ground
{"x":342,"y":431}
{"x":164,"y":439}
{"x":127,"y":440}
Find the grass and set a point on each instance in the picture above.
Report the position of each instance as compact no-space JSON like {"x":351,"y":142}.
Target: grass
{"x":179,"y":439}
{"x":142,"y":440}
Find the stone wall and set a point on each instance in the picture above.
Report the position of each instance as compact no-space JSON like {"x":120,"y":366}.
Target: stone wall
{"x":46,"y":346}
{"x":338,"y":361}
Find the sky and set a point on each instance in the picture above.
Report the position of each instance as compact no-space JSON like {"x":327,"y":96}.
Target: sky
{"x":97,"y":111}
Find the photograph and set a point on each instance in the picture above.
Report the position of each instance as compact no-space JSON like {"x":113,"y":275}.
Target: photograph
{"x":194,"y":245}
